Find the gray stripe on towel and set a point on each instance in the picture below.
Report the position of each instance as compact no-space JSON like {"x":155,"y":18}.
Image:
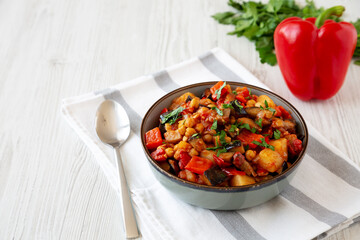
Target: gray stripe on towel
{"x":334,"y":163}
{"x":114,"y":94}
{"x":319,"y":212}
{"x":218,"y":68}
{"x":237,"y":225}
{"x":164,"y":81}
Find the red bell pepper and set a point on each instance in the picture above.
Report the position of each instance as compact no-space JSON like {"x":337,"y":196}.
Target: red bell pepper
{"x":221,"y":162}
{"x":184,"y":159}
{"x":314,"y":56}
{"x":153,"y":138}
{"x":231,"y":171}
{"x":247,"y":137}
{"x":199,"y":165}
{"x":214,"y":90}
{"x":159,"y":155}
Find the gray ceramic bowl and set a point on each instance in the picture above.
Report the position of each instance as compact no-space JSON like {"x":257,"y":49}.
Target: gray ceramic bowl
{"x":221,"y":198}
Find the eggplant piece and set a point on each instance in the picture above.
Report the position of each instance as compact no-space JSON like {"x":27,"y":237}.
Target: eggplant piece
{"x":252,"y":124}
{"x":165,"y":166}
{"x":240,"y":162}
{"x":188,"y":99}
{"x":239,"y":109}
{"x":174,"y":167}
{"x":233,"y":144}
{"x":301,"y":137}
{"x":162,"y":116}
{"x":206,"y":94}
{"x":162,"y":129}
{"x":253,"y":111}
{"x":215,"y":175}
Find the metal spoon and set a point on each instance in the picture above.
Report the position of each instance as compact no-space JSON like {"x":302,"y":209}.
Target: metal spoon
{"x":113,"y":128}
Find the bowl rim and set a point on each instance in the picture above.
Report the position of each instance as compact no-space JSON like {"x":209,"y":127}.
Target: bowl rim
{"x":254,"y":186}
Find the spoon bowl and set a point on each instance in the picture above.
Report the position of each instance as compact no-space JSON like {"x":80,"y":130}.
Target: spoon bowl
{"x":113,"y":128}
{"x":112,"y":123}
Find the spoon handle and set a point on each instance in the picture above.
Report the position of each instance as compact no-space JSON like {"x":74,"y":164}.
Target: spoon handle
{"x":131,"y":229}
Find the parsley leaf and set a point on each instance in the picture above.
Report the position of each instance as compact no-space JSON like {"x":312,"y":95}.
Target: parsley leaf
{"x":195,"y":135}
{"x":236,"y":102}
{"x":234,"y":92}
{"x":227,"y":105}
{"x":172,"y":116}
{"x":214,"y":125}
{"x":277,"y":134}
{"x":263,"y":143}
{"x":222,"y":150}
{"x":218,"y":111}
{"x":247,"y":126}
{"x":218,"y":91}
{"x":259,"y":122}
{"x":268,"y":108}
{"x":257,"y":22}
{"x":232,"y":128}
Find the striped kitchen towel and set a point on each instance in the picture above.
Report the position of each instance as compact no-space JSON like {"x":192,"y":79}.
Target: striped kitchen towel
{"x":324,"y":196}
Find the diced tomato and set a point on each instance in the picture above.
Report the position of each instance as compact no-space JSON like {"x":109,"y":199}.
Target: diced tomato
{"x":247,"y":137}
{"x":221,"y":162}
{"x":295,"y":147}
{"x":241,"y":98}
{"x":164,"y":111}
{"x":153,"y":138}
{"x":159,"y":155}
{"x":216,"y":87}
{"x":285,"y":114}
{"x":184,"y":159}
{"x":244,"y":92}
{"x":199,"y":165}
{"x":261,"y":172}
{"x":231,"y":171}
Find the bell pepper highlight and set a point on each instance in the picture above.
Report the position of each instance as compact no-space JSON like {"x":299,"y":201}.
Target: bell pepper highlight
{"x":221,"y":162}
{"x":159,"y":155}
{"x":199,"y":165}
{"x":314,"y":54}
{"x":153,"y":138}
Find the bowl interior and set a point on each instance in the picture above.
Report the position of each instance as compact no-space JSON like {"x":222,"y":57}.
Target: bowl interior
{"x":151,"y":120}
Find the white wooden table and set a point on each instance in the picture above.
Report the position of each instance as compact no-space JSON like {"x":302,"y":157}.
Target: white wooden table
{"x":50,"y":49}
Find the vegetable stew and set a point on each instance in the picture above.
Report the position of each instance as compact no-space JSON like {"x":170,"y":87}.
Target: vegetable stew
{"x":225,"y":137}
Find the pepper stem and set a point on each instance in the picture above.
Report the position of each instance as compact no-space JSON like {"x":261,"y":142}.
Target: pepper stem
{"x":336,"y":11}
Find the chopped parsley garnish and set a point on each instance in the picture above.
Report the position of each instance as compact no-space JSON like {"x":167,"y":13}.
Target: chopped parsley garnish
{"x":227,"y":105}
{"x":218,"y":91}
{"x":249,"y":91}
{"x":233,"y":128}
{"x":214,"y":125}
{"x":268,"y":108}
{"x":218,"y":111}
{"x":221,"y":148}
{"x":263,"y":143}
{"x":234,"y":92}
{"x":236,"y":102}
{"x":246,"y":126}
{"x":259,"y":122}
{"x":172,"y":116}
{"x":195,"y":135}
{"x":277,"y":134}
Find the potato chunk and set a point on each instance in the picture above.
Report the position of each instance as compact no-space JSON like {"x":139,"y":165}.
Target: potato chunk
{"x":262,"y":98}
{"x":239,"y":180}
{"x":172,"y":136}
{"x":270,"y":160}
{"x":177,"y":102}
{"x":280,"y":146}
